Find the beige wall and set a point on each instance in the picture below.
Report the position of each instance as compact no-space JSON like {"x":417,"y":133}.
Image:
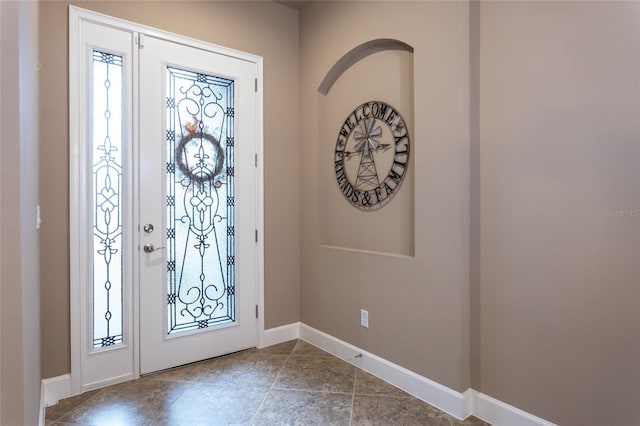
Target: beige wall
{"x":12,"y":403}
{"x":263,"y":28}
{"x":19,"y":288}
{"x":559,"y":92}
{"x":548,"y":318}
{"x":417,"y":304}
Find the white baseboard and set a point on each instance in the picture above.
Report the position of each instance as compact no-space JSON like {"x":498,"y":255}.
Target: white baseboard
{"x":41,"y":415}
{"x":439,"y":396}
{"x":499,"y":413}
{"x":55,"y":389}
{"x":459,"y":405}
{"x":280,"y":334}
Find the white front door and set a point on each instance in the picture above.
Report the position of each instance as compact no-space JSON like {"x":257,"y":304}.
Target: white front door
{"x":197,"y":194}
{"x":166,"y":202}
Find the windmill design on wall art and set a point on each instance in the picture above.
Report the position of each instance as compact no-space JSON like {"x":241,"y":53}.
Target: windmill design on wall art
{"x":366,"y":145}
{"x":377,"y":134}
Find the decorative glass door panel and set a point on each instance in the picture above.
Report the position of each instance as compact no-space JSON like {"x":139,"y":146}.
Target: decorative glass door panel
{"x":198,"y":192}
{"x":200,"y":201}
{"x":107,"y":124}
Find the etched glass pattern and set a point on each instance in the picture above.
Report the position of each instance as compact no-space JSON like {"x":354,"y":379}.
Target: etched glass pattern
{"x":200,"y":201}
{"x":107,"y":124}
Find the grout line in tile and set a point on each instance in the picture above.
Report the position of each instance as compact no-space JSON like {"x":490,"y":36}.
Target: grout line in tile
{"x":353,"y":395}
{"x":253,"y":419}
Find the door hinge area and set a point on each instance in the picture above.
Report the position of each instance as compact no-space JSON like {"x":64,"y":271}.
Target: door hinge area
{"x":256,"y":311}
{"x":140,"y":40}
{"x":256,"y":235}
{"x":256,"y":160}
{"x":256,"y":81}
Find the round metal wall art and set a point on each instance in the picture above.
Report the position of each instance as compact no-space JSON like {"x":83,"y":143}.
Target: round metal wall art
{"x":200,"y":157}
{"x":371,"y":156}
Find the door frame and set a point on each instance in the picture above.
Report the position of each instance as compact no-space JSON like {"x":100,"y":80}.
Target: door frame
{"x":78,"y":203}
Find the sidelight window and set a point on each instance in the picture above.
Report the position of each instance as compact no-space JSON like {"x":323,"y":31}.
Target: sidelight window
{"x":107,"y":190}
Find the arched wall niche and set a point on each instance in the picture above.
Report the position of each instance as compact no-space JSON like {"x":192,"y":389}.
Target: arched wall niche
{"x":355,"y":55}
{"x":377,"y":70}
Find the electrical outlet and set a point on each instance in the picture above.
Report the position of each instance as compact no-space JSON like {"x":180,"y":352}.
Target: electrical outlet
{"x":364,"y":318}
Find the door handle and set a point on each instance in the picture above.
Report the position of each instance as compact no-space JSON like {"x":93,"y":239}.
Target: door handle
{"x":149,"y":248}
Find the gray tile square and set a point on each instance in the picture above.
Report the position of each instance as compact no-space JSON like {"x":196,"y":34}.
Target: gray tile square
{"x":375,"y":410}
{"x":303,"y":348}
{"x":327,"y":374}
{"x":368,"y":384}
{"x":212,"y":405}
{"x":303,"y":408}
{"x":243,"y":369}
{"x":55,"y":412}
{"x":280,"y":348}
{"x":135,"y":402}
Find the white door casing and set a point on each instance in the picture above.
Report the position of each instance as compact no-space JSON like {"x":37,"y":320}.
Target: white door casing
{"x":143,"y":273}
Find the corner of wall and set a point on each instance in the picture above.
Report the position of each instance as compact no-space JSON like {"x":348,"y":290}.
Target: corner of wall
{"x":29,"y":68}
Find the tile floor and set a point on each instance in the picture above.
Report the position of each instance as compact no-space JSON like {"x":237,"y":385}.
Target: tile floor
{"x":293,"y":383}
